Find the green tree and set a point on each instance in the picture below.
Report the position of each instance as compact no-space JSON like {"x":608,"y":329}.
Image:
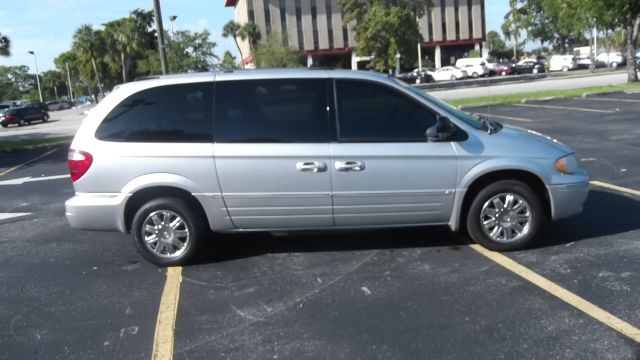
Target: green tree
{"x":273,"y":54}
{"x":228,"y":61}
{"x":385,"y":28}
{"x":54,"y":84}
{"x":15,"y":81}
{"x":5,"y":45}
{"x":186,"y":51}
{"x":556,"y":22}
{"x":232,"y":29}
{"x":622,"y":14}
{"x":71,"y":59}
{"x":514,"y":24}
{"x":89,"y":44}
{"x":129,"y":37}
{"x":251,"y":33}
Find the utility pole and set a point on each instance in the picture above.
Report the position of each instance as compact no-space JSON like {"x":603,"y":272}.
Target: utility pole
{"x":66,"y":63}
{"x":37,"y":73}
{"x":163,"y":53}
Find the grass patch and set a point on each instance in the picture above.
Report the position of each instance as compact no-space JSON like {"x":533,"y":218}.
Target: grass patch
{"x":516,"y":98}
{"x":27,"y":144}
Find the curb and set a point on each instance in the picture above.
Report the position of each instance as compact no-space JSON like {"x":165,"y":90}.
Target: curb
{"x":587,"y":94}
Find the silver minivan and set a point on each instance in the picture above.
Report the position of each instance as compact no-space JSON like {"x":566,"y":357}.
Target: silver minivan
{"x":175,"y":159}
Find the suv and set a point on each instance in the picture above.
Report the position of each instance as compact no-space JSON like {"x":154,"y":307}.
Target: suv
{"x":24,"y":115}
{"x":174,"y":158}
{"x":58,"y":105}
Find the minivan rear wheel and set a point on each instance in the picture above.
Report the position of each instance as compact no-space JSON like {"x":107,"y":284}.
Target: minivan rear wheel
{"x":506,"y":215}
{"x":166,"y":231}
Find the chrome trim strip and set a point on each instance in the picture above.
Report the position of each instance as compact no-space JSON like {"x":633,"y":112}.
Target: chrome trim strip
{"x":384,"y":205}
{"x":391,"y":214}
{"x":394,"y":193}
{"x":281,"y":216}
{"x":279,"y":208}
{"x":277,"y":194}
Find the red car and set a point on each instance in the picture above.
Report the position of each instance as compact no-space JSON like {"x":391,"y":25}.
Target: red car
{"x":504,"y":68}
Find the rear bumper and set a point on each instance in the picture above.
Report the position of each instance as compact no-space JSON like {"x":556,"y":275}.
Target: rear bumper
{"x":567,"y":199}
{"x":96,"y":211}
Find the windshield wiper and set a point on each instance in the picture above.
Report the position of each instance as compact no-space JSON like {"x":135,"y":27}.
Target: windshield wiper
{"x":490,"y":126}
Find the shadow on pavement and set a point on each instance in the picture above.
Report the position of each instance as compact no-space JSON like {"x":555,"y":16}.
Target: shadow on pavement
{"x":605,"y":213}
{"x":225,"y":247}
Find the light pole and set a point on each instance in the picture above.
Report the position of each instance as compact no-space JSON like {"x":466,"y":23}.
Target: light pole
{"x":37,"y":73}
{"x":172,"y":18}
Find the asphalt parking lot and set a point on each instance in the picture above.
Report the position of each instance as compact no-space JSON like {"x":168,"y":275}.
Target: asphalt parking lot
{"x":390,"y":294}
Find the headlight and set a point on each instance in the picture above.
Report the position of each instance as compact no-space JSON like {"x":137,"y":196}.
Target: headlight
{"x":567,"y":164}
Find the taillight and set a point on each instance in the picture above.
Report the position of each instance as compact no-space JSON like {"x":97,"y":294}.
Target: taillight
{"x":8,"y":117}
{"x":79,"y":162}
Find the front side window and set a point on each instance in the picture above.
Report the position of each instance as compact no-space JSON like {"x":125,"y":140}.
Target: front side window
{"x":271,"y":111}
{"x":172,"y":113}
{"x":372,"y":112}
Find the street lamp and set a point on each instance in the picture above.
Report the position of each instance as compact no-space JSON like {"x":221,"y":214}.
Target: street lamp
{"x":172,"y":18}
{"x":37,"y":73}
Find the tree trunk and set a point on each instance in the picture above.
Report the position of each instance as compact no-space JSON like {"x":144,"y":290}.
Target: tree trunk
{"x":124,"y":67}
{"x":632,"y":38}
{"x":95,"y":69}
{"x":239,"y":51}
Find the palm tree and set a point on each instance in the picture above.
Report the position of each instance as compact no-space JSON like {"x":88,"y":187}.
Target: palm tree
{"x":128,"y":36}
{"x":87,"y":41}
{"x":5,"y":46}
{"x":232,"y":29}
{"x":250,"y":31}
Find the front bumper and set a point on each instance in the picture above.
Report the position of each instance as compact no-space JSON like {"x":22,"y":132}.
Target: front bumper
{"x":567,"y":199}
{"x":96,"y":211}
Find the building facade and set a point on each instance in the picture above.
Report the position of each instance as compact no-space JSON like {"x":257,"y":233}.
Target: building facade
{"x":449,"y":31}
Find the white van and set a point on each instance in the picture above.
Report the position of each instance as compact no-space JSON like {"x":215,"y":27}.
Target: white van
{"x":562,"y":63}
{"x":473,"y":66}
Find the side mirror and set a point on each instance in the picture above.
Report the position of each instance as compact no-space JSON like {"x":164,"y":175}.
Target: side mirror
{"x":443,"y":130}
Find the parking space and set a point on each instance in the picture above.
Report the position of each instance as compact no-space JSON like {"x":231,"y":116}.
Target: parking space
{"x":606,"y":140}
{"x":413,"y":293}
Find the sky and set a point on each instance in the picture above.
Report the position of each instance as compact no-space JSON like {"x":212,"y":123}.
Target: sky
{"x":46,"y":26}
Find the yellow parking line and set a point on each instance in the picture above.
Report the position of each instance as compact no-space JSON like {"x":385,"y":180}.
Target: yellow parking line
{"x":561,"y":293}
{"x":615,"y":187}
{"x":166,"y":322}
{"x":506,"y":117}
{"x":5,"y":172}
{"x":565,"y":108}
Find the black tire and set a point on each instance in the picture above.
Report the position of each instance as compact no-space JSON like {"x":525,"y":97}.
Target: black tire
{"x":520,"y":191}
{"x":192,"y":222}
{"x":4,"y":125}
{"x":22,"y":122}
{"x":452,"y":78}
{"x":45,"y":117}
{"x":474,"y":75}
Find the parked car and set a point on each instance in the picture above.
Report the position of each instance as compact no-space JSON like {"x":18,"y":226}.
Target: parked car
{"x":24,"y":115}
{"x":269,"y":154}
{"x":563,"y":63}
{"x":503,"y":68}
{"x":529,"y":67}
{"x":417,"y":76}
{"x":475,"y":67}
{"x":58,"y":105}
{"x":447,"y":73}
{"x":612,"y":59}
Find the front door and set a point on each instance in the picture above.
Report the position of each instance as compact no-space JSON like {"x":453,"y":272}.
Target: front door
{"x":272,"y":152}
{"x":383,"y":170}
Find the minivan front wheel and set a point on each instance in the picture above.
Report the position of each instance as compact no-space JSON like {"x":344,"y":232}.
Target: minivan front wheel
{"x":166,"y":231}
{"x":506,"y":215}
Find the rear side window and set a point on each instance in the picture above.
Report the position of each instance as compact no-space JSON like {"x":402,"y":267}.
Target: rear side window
{"x":372,"y":112}
{"x":271,"y":111}
{"x":172,"y":113}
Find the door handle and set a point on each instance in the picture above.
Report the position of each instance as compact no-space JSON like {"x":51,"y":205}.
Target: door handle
{"x":349,"y":165}
{"x":311,"y":166}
